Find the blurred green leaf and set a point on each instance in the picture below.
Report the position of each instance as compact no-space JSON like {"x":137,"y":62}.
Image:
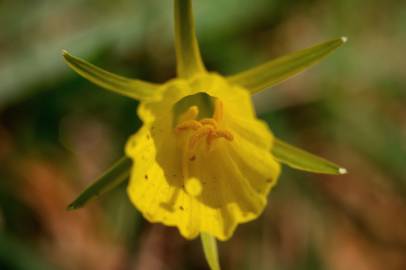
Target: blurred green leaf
{"x":123,"y":26}
{"x":377,"y":137}
{"x":303,"y":160}
{"x":127,"y":87}
{"x":109,"y":180}
{"x":17,"y":255}
{"x":282,"y":68}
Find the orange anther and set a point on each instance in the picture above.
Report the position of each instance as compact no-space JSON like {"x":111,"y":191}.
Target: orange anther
{"x":209,"y":121}
{"x":225,"y":134}
{"x":189,"y":124}
{"x":207,"y":128}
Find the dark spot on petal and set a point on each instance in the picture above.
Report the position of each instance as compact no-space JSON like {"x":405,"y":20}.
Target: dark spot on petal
{"x":181,"y":208}
{"x":269,"y":180}
{"x":192,"y":158}
{"x":146,"y":177}
{"x":148,"y":137}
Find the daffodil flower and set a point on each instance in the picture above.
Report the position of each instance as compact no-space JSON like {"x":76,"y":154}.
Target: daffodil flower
{"x":203,"y":161}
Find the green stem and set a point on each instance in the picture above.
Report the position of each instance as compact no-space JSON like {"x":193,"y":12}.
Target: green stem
{"x":188,"y":57}
{"x":210,"y":251}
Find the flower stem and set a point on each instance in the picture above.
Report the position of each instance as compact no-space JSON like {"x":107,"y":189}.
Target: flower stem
{"x":189,"y":61}
{"x":210,"y":251}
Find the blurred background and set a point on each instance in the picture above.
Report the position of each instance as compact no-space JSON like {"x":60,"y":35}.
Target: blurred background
{"x":58,"y":132}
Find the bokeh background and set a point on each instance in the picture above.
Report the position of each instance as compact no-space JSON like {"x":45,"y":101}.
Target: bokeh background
{"x":58,"y":132}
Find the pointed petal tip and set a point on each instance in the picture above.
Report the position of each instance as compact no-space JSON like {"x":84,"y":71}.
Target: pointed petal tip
{"x":300,"y":159}
{"x":278,"y":70}
{"x":132,"y":88}
{"x":342,"y":171}
{"x":71,"y":207}
{"x":64,"y":52}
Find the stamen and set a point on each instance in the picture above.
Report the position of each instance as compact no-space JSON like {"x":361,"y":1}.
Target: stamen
{"x":219,"y":134}
{"x":224,"y":134}
{"x":209,"y":121}
{"x":198,"y":135}
{"x":208,"y":128}
{"x":218,"y":110}
{"x":189,"y":124}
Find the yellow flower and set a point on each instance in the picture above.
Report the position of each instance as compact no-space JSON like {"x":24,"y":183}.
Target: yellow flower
{"x":202,"y":161}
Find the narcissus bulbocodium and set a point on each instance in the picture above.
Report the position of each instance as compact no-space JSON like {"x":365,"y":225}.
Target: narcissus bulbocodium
{"x":203,"y":161}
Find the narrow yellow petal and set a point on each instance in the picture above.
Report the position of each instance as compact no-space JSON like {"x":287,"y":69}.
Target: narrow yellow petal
{"x":188,"y":57}
{"x":282,"y":68}
{"x":210,"y":251}
{"x":302,"y":160}
{"x":135,"y":89}
{"x":113,"y":177}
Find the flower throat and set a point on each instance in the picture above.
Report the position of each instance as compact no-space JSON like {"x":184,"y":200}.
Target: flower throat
{"x":203,"y":132}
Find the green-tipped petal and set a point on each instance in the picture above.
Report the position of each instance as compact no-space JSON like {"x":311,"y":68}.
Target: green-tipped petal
{"x":127,"y":87}
{"x":109,"y":180}
{"x":303,"y":160}
{"x":210,"y":251}
{"x":280,"y":69}
{"x":189,"y":61}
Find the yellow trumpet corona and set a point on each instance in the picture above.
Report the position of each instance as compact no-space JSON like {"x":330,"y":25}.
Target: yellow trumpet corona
{"x":201,"y":174}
